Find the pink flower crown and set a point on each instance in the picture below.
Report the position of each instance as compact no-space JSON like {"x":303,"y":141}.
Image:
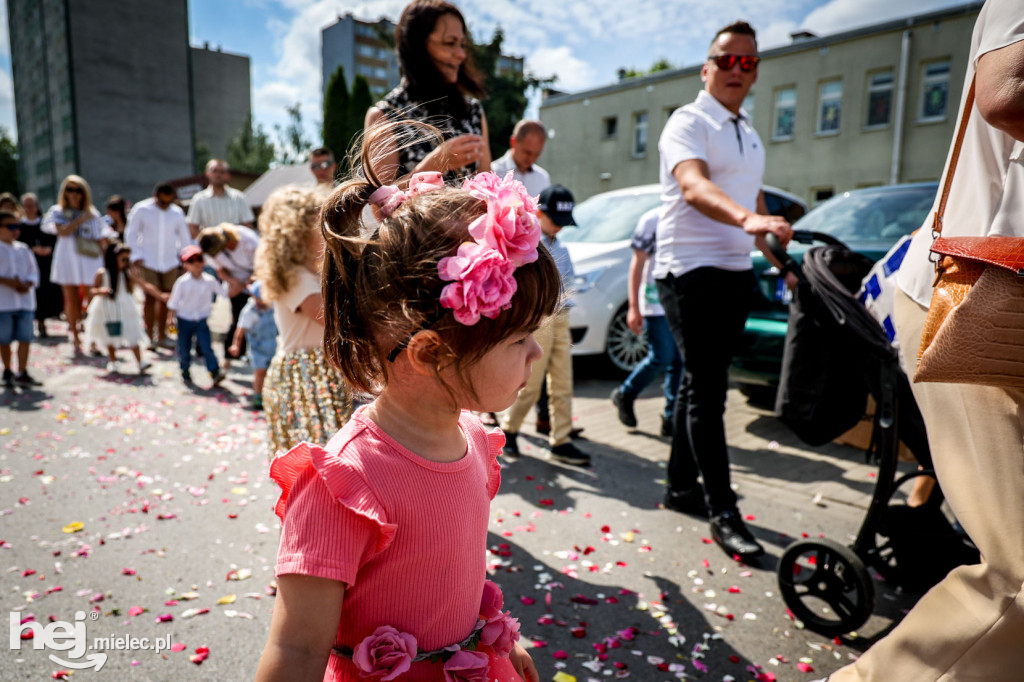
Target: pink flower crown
{"x":504,"y":238}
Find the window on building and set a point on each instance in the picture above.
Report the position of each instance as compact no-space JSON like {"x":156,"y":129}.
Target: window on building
{"x":366,"y":51}
{"x":69,"y":154}
{"x":830,"y":107}
{"x":785,"y":114}
{"x":610,"y":126}
{"x":364,"y":70}
{"x":380,"y":72}
{"x":640,"y":133}
{"x":879,"y":99}
{"x":748,"y":105}
{"x":821,"y":194}
{"x":935,"y":91}
{"x":66,"y":124}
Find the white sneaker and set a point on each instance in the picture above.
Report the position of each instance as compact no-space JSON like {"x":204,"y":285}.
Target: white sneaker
{"x":144,"y":365}
{"x":112,"y":368}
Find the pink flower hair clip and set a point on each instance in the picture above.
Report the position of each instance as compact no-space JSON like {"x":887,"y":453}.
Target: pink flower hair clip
{"x":482,"y":273}
{"x":389,"y":197}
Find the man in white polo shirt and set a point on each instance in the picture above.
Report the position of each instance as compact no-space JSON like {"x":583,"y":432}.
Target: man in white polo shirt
{"x":218,"y":203}
{"x":156,"y":233}
{"x":525,"y":147}
{"x":713,"y":214}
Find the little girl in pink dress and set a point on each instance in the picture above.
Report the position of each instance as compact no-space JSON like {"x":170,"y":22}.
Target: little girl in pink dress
{"x":381,"y":569}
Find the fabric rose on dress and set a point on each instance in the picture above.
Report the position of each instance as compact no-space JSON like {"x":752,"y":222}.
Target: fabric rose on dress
{"x":467,"y":666}
{"x":425,"y":181}
{"x":501,"y":634}
{"x":482,"y":283}
{"x":387,"y":653}
{"x":387,"y":199}
{"x":491,"y":601}
{"x":507,"y":228}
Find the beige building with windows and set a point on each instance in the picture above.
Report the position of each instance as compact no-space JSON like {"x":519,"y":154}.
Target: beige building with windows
{"x":871,"y":106}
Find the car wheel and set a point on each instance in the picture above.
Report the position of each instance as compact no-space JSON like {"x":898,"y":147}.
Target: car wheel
{"x":625,"y":349}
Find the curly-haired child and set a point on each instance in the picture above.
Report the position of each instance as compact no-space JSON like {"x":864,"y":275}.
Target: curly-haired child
{"x":381,"y":569}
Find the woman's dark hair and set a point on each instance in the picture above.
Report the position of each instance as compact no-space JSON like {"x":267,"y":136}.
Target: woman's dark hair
{"x":115,"y":249}
{"x":380,"y":290}
{"x":116,"y":203}
{"x":424,"y":83}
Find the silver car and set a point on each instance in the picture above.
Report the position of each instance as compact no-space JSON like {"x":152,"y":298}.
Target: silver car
{"x":600,"y":253}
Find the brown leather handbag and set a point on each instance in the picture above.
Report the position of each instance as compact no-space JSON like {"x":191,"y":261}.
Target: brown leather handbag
{"x":974,"y":332}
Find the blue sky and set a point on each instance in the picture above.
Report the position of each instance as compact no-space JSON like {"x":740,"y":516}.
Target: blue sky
{"x":583,"y":43}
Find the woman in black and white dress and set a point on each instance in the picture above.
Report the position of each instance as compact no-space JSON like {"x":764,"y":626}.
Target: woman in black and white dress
{"x":78,"y":253}
{"x":440,"y":87}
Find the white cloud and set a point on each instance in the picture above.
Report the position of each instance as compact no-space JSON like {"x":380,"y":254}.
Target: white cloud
{"x":842,"y":15}
{"x":572,"y":73}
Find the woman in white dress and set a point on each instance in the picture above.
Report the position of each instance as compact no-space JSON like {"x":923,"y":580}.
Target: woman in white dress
{"x":114,"y":320}
{"x":79,"y":250}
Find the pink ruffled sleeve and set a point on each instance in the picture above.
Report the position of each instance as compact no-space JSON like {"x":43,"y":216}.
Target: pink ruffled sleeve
{"x":332,"y":524}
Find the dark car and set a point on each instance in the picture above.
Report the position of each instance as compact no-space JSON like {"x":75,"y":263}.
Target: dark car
{"x":869,"y":221}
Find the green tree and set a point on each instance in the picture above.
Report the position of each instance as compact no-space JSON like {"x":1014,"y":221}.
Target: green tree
{"x":8,"y":163}
{"x":292,"y":144}
{"x":506,"y":92}
{"x":661,"y":64}
{"x":202,"y":154}
{"x":334,"y":131}
{"x":252,"y":150}
{"x":362,"y":99}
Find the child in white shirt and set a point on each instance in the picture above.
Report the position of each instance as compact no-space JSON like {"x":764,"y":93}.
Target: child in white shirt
{"x":192,"y":301}
{"x":19,"y":277}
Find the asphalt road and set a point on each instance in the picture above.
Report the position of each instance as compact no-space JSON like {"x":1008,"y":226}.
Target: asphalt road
{"x":149,"y":504}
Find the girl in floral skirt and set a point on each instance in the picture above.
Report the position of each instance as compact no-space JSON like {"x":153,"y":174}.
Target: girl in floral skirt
{"x":304,"y":397}
{"x":381,"y":569}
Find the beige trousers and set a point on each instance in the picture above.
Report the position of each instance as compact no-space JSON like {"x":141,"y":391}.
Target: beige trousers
{"x":971,"y":625}
{"x":553,"y":337}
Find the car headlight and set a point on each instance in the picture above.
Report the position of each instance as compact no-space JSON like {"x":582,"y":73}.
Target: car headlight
{"x":584,"y":282}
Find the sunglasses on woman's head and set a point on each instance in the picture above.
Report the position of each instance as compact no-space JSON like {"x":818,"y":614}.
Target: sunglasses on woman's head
{"x":726,"y":61}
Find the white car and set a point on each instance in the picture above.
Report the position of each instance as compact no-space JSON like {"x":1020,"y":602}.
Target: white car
{"x":600,"y":251}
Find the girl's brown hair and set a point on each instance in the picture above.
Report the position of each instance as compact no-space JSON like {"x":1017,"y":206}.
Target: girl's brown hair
{"x":382,"y":288}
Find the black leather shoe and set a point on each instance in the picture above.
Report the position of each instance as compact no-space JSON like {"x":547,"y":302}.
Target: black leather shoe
{"x":689,"y":502}
{"x":567,"y":453}
{"x":731,"y":534}
{"x":666,"y":427}
{"x":511,"y":447}
{"x":625,"y":406}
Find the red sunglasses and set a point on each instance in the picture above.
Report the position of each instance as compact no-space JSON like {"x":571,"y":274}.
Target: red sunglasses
{"x":726,"y":61}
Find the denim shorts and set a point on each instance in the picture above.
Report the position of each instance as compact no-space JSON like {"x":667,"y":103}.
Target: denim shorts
{"x":16,"y":325}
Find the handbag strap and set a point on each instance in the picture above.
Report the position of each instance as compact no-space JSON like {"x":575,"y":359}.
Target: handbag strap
{"x":968,"y":106}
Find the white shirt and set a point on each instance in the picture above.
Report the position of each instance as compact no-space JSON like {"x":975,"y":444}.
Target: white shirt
{"x":209,"y":210}
{"x":535,"y":179}
{"x":987,"y":194}
{"x":644,"y":237}
{"x":18,"y":262}
{"x":688,"y":239}
{"x":192,"y":297}
{"x":296,"y":330}
{"x":240,"y":262}
{"x":156,"y":236}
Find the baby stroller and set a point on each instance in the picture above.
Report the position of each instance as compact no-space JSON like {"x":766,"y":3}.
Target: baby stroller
{"x":836,"y":354}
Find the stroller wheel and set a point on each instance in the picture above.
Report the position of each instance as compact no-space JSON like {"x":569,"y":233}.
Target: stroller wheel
{"x":826,"y":585}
